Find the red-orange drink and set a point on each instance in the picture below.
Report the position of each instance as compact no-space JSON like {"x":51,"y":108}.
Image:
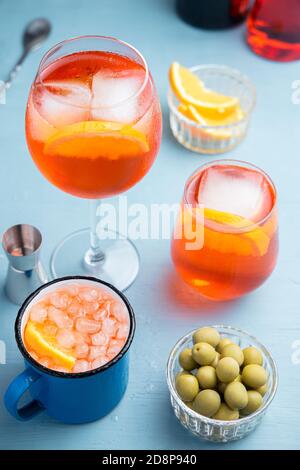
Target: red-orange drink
{"x":239,"y":222}
{"x":76,"y":327}
{"x":93,"y":123}
{"x":274,"y":29}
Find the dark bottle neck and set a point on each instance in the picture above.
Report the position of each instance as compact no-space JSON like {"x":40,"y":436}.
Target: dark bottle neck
{"x":212,"y":14}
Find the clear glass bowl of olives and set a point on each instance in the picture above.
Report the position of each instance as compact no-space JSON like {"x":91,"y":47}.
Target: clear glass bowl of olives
{"x":221,"y":382}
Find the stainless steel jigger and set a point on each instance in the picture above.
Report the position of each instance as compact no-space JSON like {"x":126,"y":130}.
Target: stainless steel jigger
{"x":25,"y":274}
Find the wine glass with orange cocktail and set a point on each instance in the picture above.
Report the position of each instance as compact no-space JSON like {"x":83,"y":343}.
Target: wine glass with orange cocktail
{"x":93,"y":128}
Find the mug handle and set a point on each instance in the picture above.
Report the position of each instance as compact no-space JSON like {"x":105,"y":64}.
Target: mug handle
{"x":16,"y":390}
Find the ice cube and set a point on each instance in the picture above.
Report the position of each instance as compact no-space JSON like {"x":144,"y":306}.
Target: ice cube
{"x":38,"y":127}
{"x":88,"y":294}
{"x":75,"y":309}
{"x":99,"y":362}
{"x":100,"y":314}
{"x":109,"y":327}
{"x":63,"y":102}
{"x":38,"y":313}
{"x":96,"y":352}
{"x":81,"y":338}
{"x":114,"y":347}
{"x":65,"y":338}
{"x":234,"y":190}
{"x":80,"y":366}
{"x":90,"y":308}
{"x":99,"y":339}
{"x":59,"y":317}
{"x":146,"y":122}
{"x":110,"y":96}
{"x":123,"y":331}
{"x":119,"y":311}
{"x":84,"y":325}
{"x":81,"y":350}
{"x":70,"y":289}
{"x":59,"y":299}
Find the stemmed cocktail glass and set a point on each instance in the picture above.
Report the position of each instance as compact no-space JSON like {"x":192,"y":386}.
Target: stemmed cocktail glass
{"x":93,"y":128}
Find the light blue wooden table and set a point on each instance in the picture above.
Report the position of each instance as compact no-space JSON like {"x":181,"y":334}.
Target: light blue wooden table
{"x":164,"y":307}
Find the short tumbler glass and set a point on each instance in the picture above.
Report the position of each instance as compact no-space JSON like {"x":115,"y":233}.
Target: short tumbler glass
{"x":211,"y":429}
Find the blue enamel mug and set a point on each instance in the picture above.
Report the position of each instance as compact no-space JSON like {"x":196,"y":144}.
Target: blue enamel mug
{"x":72,"y":398}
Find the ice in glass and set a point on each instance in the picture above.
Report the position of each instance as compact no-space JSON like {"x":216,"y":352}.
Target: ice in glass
{"x":93,"y":129}
{"x":83,"y":133}
{"x":240,"y":240}
{"x":76,"y":327}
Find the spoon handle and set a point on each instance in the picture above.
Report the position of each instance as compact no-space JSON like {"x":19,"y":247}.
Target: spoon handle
{"x":16,"y":68}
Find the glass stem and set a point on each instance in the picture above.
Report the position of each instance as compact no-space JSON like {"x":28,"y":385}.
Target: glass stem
{"x":95,"y":254}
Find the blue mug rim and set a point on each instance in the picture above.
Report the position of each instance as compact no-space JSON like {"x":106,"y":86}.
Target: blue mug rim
{"x":73,"y":375}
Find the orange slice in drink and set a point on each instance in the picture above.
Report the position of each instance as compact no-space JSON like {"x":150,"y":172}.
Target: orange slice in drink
{"x":91,"y":139}
{"x":191,"y":90}
{"x":250,"y":241}
{"x":45,"y":345}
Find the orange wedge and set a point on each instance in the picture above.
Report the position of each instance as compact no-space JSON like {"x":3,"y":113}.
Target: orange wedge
{"x":192,"y":113}
{"x":227,"y":218}
{"x":217,"y":132}
{"x":45,"y":345}
{"x":190,"y":90}
{"x":92,"y":139}
{"x":249,"y":242}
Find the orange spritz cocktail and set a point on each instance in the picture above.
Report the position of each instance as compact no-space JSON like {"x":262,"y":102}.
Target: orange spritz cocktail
{"x":93,"y":128}
{"x":90,"y":128}
{"x":239,"y":230}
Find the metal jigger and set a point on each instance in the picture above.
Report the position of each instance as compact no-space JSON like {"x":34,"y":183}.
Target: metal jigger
{"x":25,"y":274}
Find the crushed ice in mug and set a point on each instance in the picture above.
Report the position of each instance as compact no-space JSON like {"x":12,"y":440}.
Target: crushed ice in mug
{"x":76,"y":328}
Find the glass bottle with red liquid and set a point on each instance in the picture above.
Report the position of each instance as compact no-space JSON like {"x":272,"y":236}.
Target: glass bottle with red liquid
{"x":274,"y":29}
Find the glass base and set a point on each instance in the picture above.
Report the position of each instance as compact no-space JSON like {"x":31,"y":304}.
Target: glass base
{"x":119,"y":266}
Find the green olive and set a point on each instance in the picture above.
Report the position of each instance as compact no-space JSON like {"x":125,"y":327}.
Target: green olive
{"x":186,"y":359}
{"x":262,"y":390}
{"x":254,"y":376}
{"x":207,"y":403}
{"x":183,"y":372}
{"x":225,"y":413}
{"x":203,"y":353}
{"x":207,"y":377}
{"x":254,"y":402}
{"x":221,"y":385}
{"x":207,"y":335}
{"x":252,"y":356}
{"x":234,"y":351}
{"x":236,"y":396}
{"x":187,"y":387}
{"x":223,"y":342}
{"x":227,"y":369}
{"x":216,"y":360}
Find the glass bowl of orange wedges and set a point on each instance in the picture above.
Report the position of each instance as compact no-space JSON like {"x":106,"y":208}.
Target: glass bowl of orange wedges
{"x":210,"y":107}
